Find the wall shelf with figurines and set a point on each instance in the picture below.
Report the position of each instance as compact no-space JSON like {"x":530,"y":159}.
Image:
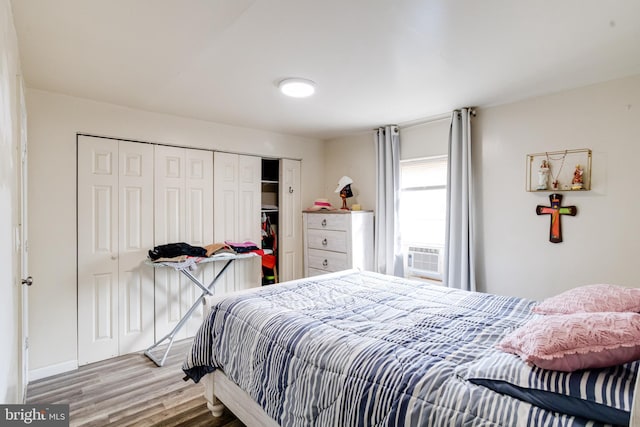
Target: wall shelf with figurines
{"x":567,"y":170}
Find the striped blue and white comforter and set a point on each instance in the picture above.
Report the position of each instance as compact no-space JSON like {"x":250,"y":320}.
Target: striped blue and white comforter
{"x":363,"y":349}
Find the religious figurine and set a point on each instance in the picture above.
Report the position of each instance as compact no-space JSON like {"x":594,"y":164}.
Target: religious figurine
{"x":576,"y":182}
{"x":543,"y":176}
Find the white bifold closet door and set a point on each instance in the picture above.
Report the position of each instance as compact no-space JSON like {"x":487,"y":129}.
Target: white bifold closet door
{"x":115,"y":231}
{"x":237,"y":195}
{"x":290,"y":224}
{"x":183,"y":213}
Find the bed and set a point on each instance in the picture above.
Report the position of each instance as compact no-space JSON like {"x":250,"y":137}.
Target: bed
{"x":363,"y":349}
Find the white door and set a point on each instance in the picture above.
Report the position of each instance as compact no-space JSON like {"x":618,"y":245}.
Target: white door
{"x":22,"y":239}
{"x":225,"y":216}
{"x":249,"y":272}
{"x":115,"y":231}
{"x":97,"y":249}
{"x":290,"y":221}
{"x":135,"y":238}
{"x":170,"y":226}
{"x":183,"y":213}
{"x":199,"y":223}
{"x":237,"y":215}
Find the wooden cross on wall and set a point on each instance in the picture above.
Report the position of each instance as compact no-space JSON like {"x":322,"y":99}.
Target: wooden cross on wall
{"x":555,"y":231}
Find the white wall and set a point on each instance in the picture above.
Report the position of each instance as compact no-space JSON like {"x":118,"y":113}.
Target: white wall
{"x":9,"y":212}
{"x":54,"y":121}
{"x":515,"y":256}
{"x":355,"y":156}
{"x":426,"y":139}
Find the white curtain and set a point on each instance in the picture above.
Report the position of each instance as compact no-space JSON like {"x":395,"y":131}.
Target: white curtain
{"x":388,"y":252}
{"x":459,"y":268}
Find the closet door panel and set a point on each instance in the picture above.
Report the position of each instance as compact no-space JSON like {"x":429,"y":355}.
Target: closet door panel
{"x":169,"y":227}
{"x":248,"y":213}
{"x":237,"y":214}
{"x":225,"y":219}
{"x":290,"y":231}
{"x":97,"y":249}
{"x":136,"y":290}
{"x":250,"y":197}
{"x":199,"y":223}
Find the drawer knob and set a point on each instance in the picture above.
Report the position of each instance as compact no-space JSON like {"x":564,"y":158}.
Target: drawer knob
{"x":324,"y":222}
{"x":325,"y":263}
{"x":324,"y":242}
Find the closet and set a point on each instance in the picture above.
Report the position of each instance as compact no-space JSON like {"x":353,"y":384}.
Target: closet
{"x":236,"y":215}
{"x":183,"y":212}
{"x":133,"y":196}
{"x":281,"y":220}
{"x":115,"y":231}
{"x":269,"y":214}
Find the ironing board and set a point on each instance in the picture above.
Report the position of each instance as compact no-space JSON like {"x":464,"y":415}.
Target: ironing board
{"x":184,"y":268}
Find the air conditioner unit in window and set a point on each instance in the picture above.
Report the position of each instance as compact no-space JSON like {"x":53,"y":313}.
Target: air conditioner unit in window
{"x":425,"y":261}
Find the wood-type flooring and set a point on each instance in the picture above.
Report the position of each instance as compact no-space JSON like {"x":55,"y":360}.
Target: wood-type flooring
{"x":130,"y":390}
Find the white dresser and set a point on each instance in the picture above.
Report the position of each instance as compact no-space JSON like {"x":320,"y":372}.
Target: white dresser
{"x":337,"y":240}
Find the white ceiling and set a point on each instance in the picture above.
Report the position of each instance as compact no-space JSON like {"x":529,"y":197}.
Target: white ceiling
{"x":375,"y":62}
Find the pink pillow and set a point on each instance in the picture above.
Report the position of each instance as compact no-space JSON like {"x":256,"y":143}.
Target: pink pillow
{"x":576,"y":341}
{"x":591,"y":299}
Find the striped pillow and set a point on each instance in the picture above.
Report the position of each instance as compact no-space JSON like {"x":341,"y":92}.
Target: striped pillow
{"x":602,"y":395}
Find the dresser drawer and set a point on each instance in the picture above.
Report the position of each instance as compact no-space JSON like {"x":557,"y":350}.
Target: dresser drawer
{"x":327,"y":260}
{"x":328,"y":221}
{"x":330,"y":240}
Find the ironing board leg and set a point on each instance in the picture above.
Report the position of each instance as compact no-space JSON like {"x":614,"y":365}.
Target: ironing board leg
{"x":172,"y":335}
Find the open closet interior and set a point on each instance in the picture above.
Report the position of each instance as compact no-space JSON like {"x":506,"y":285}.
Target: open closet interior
{"x":269,"y":219}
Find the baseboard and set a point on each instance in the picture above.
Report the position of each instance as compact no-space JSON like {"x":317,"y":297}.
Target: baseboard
{"x":51,"y":370}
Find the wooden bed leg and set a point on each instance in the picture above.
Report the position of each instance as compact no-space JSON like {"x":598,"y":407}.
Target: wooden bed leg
{"x":215,"y":406}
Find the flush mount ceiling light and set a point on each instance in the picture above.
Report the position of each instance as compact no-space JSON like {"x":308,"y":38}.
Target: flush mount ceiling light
{"x":297,"y":88}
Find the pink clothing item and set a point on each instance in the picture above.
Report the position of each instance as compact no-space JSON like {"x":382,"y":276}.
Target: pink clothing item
{"x":321,"y":204}
{"x":576,"y":341}
{"x":591,"y":299}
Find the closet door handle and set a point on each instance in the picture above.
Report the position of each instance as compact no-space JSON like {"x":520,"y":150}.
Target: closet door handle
{"x":324,"y":242}
{"x":290,"y":190}
{"x":324,"y":223}
{"x":325,"y":263}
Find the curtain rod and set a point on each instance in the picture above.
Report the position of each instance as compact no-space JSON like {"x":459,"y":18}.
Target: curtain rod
{"x":428,"y":120}
{"x":425,"y":121}
{"x":433,"y":119}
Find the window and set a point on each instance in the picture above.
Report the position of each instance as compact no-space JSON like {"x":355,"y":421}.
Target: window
{"x":423,"y":204}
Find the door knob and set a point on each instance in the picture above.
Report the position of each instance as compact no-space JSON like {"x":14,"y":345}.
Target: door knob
{"x":28,"y":281}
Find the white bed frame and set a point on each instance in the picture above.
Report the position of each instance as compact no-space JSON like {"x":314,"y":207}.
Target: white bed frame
{"x":220,"y":391}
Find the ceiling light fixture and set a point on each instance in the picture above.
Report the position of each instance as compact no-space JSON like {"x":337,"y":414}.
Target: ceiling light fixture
{"x":297,"y":88}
